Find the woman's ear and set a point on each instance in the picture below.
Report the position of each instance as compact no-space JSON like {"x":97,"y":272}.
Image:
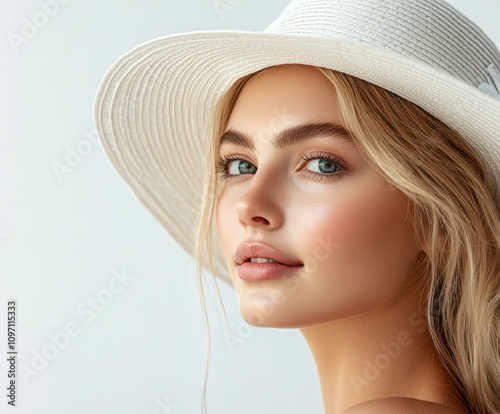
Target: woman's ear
{"x":420,"y":228}
{"x":423,"y":240}
{"x":424,"y":248}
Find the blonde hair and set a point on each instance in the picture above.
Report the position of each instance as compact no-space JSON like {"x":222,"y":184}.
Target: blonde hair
{"x":454,"y":214}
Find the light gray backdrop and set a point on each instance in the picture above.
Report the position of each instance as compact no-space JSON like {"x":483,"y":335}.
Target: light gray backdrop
{"x":108,"y":318}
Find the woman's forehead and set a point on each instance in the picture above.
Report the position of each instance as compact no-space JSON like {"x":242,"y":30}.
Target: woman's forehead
{"x":284,"y":96}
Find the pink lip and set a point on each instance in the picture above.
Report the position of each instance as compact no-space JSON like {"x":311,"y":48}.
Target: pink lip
{"x":250,"y":271}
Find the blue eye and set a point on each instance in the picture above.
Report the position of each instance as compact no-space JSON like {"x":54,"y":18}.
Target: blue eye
{"x":325,"y":166}
{"x":237,"y":167}
{"x":231,"y":166}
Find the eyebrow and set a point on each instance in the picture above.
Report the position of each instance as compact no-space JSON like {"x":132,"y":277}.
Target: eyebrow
{"x":292,"y":135}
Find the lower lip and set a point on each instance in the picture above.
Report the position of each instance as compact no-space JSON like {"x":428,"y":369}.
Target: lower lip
{"x":250,"y":271}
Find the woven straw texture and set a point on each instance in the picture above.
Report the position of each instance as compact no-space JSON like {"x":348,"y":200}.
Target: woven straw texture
{"x":154,"y":104}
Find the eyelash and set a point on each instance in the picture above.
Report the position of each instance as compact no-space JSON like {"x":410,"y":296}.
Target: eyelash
{"x":342,"y":166}
{"x":223,"y":162}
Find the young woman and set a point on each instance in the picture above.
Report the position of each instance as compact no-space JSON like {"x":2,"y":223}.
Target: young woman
{"x":351,"y":188}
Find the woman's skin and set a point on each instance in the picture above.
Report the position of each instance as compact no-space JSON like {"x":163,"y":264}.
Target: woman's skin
{"x":356,"y":297}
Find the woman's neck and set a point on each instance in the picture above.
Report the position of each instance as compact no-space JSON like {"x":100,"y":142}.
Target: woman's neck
{"x":384,"y":353}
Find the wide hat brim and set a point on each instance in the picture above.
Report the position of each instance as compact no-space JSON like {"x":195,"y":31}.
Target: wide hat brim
{"x":153,"y":108}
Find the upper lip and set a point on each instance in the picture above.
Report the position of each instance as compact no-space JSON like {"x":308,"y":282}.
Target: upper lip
{"x":247,"y":251}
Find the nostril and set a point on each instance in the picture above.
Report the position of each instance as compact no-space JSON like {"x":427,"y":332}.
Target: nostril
{"x":260,"y":219}
{"x":259,"y":211}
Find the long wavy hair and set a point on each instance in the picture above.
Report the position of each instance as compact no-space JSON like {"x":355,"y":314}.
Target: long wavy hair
{"x":451,"y":190}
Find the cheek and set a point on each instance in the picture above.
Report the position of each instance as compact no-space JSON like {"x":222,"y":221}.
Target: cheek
{"x":226,"y":224}
{"x":372,"y":223}
{"x":363,"y":246}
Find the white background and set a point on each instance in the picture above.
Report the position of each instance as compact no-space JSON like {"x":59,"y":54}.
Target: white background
{"x":64,"y":238}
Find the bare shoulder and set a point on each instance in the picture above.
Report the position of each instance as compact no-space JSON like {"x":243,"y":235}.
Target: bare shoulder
{"x":403,"y":405}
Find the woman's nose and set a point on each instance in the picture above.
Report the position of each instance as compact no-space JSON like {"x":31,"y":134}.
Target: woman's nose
{"x":260,"y":206}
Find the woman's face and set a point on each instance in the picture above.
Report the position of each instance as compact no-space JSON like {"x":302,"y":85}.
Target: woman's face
{"x":309,"y":193}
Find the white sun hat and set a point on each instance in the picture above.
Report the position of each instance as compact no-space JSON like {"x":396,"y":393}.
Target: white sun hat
{"x":154,"y":104}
